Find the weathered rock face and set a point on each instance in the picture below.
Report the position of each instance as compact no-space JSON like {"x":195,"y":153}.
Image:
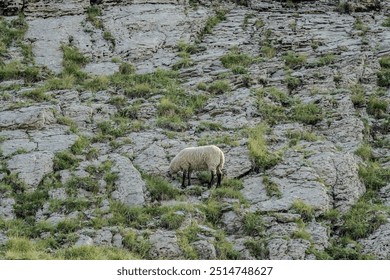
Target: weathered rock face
{"x":34,"y":117}
{"x":164,"y":245}
{"x":11,"y":7}
{"x":129,"y":186}
{"x":31,"y":167}
{"x":47,"y":8}
{"x":102,"y":188}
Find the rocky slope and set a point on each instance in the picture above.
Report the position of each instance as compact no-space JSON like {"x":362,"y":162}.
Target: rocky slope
{"x":98,"y":96}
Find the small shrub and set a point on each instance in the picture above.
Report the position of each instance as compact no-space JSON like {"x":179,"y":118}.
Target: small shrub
{"x":96,"y":84}
{"x":359,"y":25}
{"x":213,"y":211}
{"x":292,"y":82}
{"x":212,"y":22}
{"x":93,"y":12}
{"x":126,"y":68}
{"x":38,"y":95}
{"x":21,"y":248}
{"x":384,"y":73}
{"x":80,"y":145}
{"x":358,"y":95}
{"x":224,"y":248}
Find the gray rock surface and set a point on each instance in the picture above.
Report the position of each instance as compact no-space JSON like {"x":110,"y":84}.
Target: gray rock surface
{"x":164,"y":245}
{"x":317,"y":166}
{"x":31,"y":167}
{"x":281,"y":249}
{"x":205,"y":250}
{"x":6,"y":208}
{"x":129,"y":188}
{"x":378,"y":243}
{"x":34,"y":117}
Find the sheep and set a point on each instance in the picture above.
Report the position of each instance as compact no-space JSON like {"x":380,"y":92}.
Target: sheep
{"x":200,"y":158}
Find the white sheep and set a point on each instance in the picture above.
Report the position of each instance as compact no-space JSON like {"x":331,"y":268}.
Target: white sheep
{"x":201,"y":158}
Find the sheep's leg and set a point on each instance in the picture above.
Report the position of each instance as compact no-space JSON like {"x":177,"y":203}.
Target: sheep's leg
{"x":219,"y":176}
{"x":184,"y":179}
{"x":212,"y":179}
{"x":189,"y":177}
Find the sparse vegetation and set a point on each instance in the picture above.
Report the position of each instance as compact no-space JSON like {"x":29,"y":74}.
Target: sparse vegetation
{"x":262,"y":157}
{"x":305,"y":210}
{"x":293,"y":60}
{"x":384,"y":72}
{"x":167,"y":108}
{"x":307,"y":113}
{"x":237,"y":61}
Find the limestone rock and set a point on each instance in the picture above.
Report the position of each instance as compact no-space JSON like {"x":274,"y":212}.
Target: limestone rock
{"x":50,"y":8}
{"x":164,"y":245}
{"x":11,"y":7}
{"x":378,"y":243}
{"x":237,"y":162}
{"x":34,"y":117}
{"x":6,"y":208}
{"x":103,"y":237}
{"x":16,"y":140}
{"x":84,"y":240}
{"x":129,"y":188}
{"x":152,"y":160}
{"x":293,"y":249}
{"x":53,"y":139}
{"x":31,"y":167}
{"x":205,"y":250}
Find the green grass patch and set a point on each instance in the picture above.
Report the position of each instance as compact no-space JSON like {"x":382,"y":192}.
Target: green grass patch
{"x":365,"y":217}
{"x":212,"y":21}
{"x":237,"y":61}
{"x":384,"y":73}
{"x":137,"y":244}
{"x":160,"y":188}
{"x":377,"y":106}
{"x":271,"y":187}
{"x":293,"y":60}
{"x":64,"y":160}
{"x":373,"y":175}
{"x":219,"y":87}
{"x":93,"y":12}
{"x":386,"y":22}
{"x":306,"y":211}
{"x":253,"y":224}
{"x":307,"y":113}
{"x":326,"y":59}
{"x":259,"y":152}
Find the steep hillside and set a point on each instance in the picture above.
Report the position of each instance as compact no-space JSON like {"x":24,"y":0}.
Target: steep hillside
{"x":98,"y":96}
